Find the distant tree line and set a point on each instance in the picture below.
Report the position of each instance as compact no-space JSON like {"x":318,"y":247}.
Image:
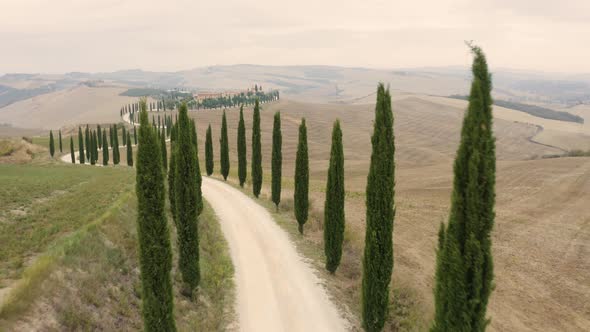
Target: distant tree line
{"x":91,"y":141}
{"x":244,"y":98}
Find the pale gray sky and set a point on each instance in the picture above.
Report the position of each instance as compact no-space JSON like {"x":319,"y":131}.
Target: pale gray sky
{"x":55,"y":36}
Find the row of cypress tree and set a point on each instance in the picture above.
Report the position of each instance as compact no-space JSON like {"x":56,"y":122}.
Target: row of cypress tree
{"x":97,"y":140}
{"x":334,"y":230}
{"x":52,"y":143}
{"x":184,"y":192}
{"x":464,"y":264}
{"x":464,"y":271}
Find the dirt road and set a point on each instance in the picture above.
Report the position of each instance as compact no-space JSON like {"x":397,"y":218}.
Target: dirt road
{"x":276,"y":289}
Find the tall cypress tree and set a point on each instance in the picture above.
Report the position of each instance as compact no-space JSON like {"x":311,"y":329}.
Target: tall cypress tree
{"x":116,"y":151}
{"x":209,"y":151}
{"x":334,"y":204}
{"x":164,"y":153}
{"x":72,"y":153}
{"x":378,"y":256}
{"x":198,"y":178}
{"x":81,"y":146}
{"x":99,"y":136}
{"x":92,"y":143}
{"x":51,"y":144}
{"x":301,"y":194}
{"x":186,"y":202}
{"x":171,"y":177}
{"x":60,"y":143}
{"x":256,"y":152}
{"x":95,"y":147}
{"x":242,"y":160}
{"x":105,"y":149}
{"x":224,"y":148}
{"x":465,"y":270}
{"x":124,"y":136}
{"x":277,"y":159}
{"x":155,"y":253}
{"x":135,"y":134}
{"x":87,"y":143}
{"x":111,"y":138}
{"x":129,"y":151}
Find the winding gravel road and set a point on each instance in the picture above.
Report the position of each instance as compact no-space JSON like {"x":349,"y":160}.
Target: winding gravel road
{"x":276,"y":289}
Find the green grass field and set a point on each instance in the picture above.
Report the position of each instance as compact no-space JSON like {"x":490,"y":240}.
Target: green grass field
{"x":44,"y":203}
{"x":70,"y":245}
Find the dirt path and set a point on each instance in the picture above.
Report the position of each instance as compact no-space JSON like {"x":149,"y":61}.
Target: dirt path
{"x":276,"y":289}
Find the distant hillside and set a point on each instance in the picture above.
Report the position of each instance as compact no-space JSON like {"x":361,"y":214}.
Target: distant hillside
{"x":321,"y":83}
{"x":542,"y":112}
{"x":10,"y":95}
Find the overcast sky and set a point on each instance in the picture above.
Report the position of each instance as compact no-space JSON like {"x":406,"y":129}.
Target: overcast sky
{"x":55,"y":36}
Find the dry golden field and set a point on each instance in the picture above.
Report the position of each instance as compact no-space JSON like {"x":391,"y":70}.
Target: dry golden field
{"x":77,"y":105}
{"x":542,"y":231}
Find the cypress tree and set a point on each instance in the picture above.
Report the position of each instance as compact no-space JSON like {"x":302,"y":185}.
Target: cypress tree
{"x":87,"y":141}
{"x":80,"y":145}
{"x":256,"y":152}
{"x":124,"y":136}
{"x":115,"y":146}
{"x":224,"y":148}
{"x":465,"y":270}
{"x":92,"y":143}
{"x":301,"y":178}
{"x":155,"y":253}
{"x":99,"y":136}
{"x":164,"y":153}
{"x":135,"y":134}
{"x":60,"y":144}
{"x":186,"y":202}
{"x":171,"y":179}
{"x":51,"y":144}
{"x":277,"y":159}
{"x":334,"y":204}
{"x":95,"y":146}
{"x":380,"y":212}
{"x":111,"y":139}
{"x":209,"y":151}
{"x":129,"y":152}
{"x":73,"y":155}
{"x":116,"y":151}
{"x":105,"y":149}
{"x":242,"y":160}
{"x":95,"y":150}
{"x":198,"y":178}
